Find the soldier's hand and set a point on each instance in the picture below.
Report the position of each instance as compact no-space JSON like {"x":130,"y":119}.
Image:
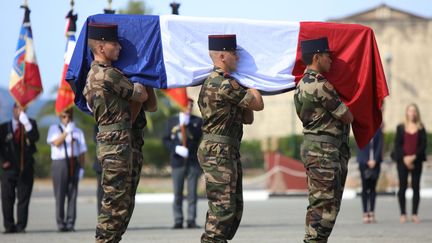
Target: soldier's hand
{"x":139,"y":93}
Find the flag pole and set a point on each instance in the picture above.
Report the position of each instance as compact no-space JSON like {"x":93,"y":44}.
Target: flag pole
{"x":24,"y":5}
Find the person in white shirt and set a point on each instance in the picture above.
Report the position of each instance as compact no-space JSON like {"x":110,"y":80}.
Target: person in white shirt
{"x":68,"y":148}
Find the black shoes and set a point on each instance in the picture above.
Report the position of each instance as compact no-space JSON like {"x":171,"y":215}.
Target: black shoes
{"x":14,"y":230}
{"x":192,"y":225}
{"x":178,"y":226}
{"x":10,"y":231}
{"x":63,"y":229}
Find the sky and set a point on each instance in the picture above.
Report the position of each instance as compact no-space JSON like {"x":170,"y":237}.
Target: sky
{"x":48,"y":22}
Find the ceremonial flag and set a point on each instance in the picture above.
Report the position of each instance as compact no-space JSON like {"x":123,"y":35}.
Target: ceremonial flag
{"x":65,"y":95}
{"x":172,"y":51}
{"x":25,"y":81}
{"x":178,"y":96}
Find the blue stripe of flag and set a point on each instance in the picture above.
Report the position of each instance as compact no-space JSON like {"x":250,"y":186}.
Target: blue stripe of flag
{"x":141,"y":56}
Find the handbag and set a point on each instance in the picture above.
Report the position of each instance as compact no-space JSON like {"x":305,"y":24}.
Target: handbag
{"x":370,"y":174}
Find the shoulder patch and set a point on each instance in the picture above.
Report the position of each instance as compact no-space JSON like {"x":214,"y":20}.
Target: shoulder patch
{"x":328,"y":85}
{"x":234,"y":84}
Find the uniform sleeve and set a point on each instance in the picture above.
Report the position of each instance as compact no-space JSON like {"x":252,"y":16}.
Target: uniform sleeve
{"x":116,"y":83}
{"x":83,"y":145}
{"x":53,"y":134}
{"x":329,"y":98}
{"x":235,"y":93}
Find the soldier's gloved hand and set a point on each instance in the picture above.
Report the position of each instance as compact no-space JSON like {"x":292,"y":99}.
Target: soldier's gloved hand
{"x":182,"y":151}
{"x":69,"y":127}
{"x":25,"y":121}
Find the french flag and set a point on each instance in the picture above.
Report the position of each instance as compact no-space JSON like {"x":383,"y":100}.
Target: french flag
{"x":172,"y":51}
{"x":25,"y":83}
{"x":65,"y":95}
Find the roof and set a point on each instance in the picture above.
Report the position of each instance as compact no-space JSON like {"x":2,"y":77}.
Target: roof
{"x":382,"y":12}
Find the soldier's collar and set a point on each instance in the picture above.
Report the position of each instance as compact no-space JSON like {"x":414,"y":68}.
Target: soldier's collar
{"x":311,"y":71}
{"x":221,"y":72}
{"x":102,"y":64}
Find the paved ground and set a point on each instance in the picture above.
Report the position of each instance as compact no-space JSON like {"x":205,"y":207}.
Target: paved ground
{"x":273,"y":220}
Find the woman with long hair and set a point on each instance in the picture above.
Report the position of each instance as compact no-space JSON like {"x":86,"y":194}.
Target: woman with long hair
{"x":409,"y":153}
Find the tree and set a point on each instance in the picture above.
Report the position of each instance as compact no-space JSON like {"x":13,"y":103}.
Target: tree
{"x":136,"y":7}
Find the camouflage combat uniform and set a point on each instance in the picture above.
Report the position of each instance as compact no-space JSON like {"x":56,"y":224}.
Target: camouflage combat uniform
{"x":137,"y":144}
{"x":324,"y":151}
{"x":221,"y":102}
{"x":107,"y":93}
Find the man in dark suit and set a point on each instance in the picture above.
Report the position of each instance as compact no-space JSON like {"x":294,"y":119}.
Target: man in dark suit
{"x":182,"y":138}
{"x":17,"y":146}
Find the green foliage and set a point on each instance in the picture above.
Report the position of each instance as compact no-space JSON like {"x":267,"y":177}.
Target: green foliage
{"x":251,"y":154}
{"x":155,"y":153}
{"x":136,"y":7}
{"x":290,"y":146}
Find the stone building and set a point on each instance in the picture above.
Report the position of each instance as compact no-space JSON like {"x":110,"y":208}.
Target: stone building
{"x":404,"y":40}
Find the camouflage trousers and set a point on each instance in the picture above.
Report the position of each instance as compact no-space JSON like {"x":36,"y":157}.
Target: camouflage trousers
{"x":326,"y":170}
{"x":223,"y":177}
{"x":121,"y":168}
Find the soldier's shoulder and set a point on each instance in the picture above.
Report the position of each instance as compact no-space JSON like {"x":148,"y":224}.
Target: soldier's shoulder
{"x":113,"y":73}
{"x":229,"y":82}
{"x":214,"y":79}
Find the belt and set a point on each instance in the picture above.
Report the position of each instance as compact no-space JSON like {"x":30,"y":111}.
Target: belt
{"x":115,"y":127}
{"x":221,"y":139}
{"x":324,"y":138}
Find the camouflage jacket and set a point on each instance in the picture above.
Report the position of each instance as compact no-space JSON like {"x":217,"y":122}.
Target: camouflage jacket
{"x":319,"y":107}
{"x":107,"y":92}
{"x":221,"y":102}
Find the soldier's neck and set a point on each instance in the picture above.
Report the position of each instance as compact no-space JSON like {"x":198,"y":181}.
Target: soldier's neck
{"x":313,"y":68}
{"x":102,"y":60}
{"x":222,"y":66}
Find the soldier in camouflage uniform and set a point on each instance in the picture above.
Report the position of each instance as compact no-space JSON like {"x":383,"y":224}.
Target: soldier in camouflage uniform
{"x":325,"y":152}
{"x":137,"y":144}
{"x":115,"y":102}
{"x":225,"y":106}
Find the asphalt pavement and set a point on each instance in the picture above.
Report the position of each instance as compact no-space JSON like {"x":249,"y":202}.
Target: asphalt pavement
{"x":273,"y":220}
